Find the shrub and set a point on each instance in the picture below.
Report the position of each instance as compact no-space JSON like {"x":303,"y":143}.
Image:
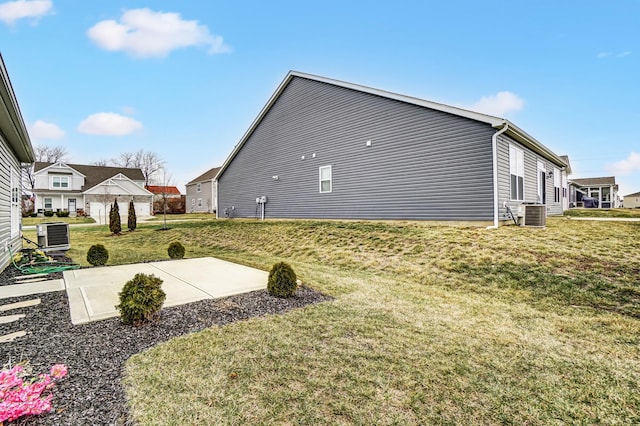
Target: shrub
{"x":115,"y":225}
{"x":97,"y":255}
{"x":141,"y":299}
{"x":34,"y":214}
{"x":48,"y":213}
{"x":62,"y":213}
{"x":132,"y":220}
{"x":176,"y":250}
{"x":81,"y":213}
{"x":282,"y":280}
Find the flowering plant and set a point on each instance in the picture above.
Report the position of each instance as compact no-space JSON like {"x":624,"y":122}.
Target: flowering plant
{"x":20,"y":398}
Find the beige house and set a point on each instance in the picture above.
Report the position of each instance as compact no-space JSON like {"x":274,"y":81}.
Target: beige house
{"x":597,"y":192}
{"x":632,"y":201}
{"x":15,"y":151}
{"x":201,"y":193}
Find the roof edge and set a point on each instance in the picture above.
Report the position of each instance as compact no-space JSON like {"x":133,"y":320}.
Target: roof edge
{"x":17,"y":135}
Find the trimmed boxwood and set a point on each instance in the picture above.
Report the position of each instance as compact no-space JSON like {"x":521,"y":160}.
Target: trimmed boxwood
{"x":282,"y":280}
{"x":97,"y":255}
{"x":176,"y":250}
{"x":141,"y":299}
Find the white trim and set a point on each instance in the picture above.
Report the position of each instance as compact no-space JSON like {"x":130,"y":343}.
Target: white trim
{"x":541,"y":167}
{"x":519,"y":153}
{"x":320,"y":180}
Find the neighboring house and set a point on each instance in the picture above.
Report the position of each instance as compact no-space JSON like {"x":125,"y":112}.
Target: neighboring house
{"x":169,"y":194}
{"x":201,"y":193}
{"x":323,"y":148}
{"x":599,"y":192}
{"x":15,"y":150}
{"x":632,"y":201}
{"x":73,"y":187}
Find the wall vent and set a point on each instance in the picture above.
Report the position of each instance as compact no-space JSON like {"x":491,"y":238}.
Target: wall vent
{"x":53,"y":236}
{"x":534,"y":215}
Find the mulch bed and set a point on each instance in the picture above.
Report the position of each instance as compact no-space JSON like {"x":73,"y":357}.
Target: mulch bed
{"x":95,"y":353}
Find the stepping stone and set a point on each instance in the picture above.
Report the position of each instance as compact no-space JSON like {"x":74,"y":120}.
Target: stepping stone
{"x":24,"y":277}
{"x":11,"y":318}
{"x":23,"y":304}
{"x":12,"y":336}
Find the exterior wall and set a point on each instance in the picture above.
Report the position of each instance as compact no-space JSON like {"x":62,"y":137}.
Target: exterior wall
{"x":531,"y":160}
{"x":207,"y":195}
{"x":8,"y":165}
{"x":421,"y":164}
{"x":632,"y":201}
{"x":59,"y":201}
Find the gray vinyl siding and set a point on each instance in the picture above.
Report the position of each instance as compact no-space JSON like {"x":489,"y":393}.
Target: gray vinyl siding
{"x":207,"y":194}
{"x":530,"y":179}
{"x":422,"y":163}
{"x":7,"y":161}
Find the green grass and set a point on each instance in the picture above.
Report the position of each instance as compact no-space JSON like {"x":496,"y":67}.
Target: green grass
{"x":625,"y":213}
{"x":430,"y":324}
{"x":30,"y":221}
{"x":183,"y":216}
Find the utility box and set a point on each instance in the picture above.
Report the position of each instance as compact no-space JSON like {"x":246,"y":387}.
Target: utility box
{"x":534,"y":215}
{"x":53,"y":236}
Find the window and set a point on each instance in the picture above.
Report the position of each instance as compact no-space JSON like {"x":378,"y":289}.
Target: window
{"x":15,"y":203}
{"x":325,"y":179}
{"x":516,"y":170}
{"x":61,"y":181}
{"x":198,"y":187}
{"x":556,"y":185}
{"x":193,"y":201}
{"x":199,"y":202}
{"x":47,"y":204}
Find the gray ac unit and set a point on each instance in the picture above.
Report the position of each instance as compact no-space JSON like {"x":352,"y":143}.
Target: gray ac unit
{"x":53,"y":236}
{"x":534,"y":215}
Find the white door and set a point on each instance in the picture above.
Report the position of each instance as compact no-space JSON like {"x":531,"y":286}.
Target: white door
{"x":72,"y":205}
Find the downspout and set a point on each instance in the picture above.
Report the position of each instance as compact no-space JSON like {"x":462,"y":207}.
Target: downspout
{"x":215,"y":185}
{"x":494,"y":147}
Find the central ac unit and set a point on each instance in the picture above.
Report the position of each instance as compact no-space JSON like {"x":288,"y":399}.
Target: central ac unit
{"x":534,"y":215}
{"x":53,"y":236}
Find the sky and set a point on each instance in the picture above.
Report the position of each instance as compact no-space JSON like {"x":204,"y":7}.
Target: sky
{"x":186,"y":79}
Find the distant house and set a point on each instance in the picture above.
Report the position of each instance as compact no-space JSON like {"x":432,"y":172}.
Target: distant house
{"x":632,"y":201}
{"x":599,"y":192}
{"x":323,"y":148}
{"x":15,"y":150}
{"x":201,"y":193}
{"x":90,"y":189}
{"x":169,"y":194}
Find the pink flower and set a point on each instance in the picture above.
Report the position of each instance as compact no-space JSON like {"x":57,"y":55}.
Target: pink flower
{"x":58,"y":371}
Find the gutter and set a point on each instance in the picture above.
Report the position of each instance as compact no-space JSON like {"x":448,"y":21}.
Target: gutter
{"x":494,"y":147}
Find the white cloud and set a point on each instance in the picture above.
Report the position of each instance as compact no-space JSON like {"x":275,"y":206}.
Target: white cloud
{"x":11,"y":11}
{"x":623,"y":54}
{"x":129,"y":110}
{"x":41,"y":130}
{"x":499,"y":104}
{"x":109,"y":124}
{"x":145,"y":33}
{"x":603,"y":55}
{"x":627,"y":166}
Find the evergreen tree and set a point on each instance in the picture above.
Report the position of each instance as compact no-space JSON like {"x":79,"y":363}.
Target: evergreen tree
{"x":132,"y":221}
{"x":114,"y":219}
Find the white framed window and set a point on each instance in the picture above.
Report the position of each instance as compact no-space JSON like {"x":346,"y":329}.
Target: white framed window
{"x":193,"y":201}
{"x":326,"y":184}
{"x":556,"y":185}
{"x":47,"y":204}
{"x":60,"y":182}
{"x":15,"y":203}
{"x":198,"y":187}
{"x":199,"y":202}
{"x":516,"y":171}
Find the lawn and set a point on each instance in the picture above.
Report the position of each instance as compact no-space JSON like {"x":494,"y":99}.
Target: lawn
{"x":30,"y":221}
{"x":626,"y":213}
{"x":430,"y":324}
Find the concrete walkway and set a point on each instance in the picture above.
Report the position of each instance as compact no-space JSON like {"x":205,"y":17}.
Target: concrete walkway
{"x":93,"y":292}
{"x":605,"y":219}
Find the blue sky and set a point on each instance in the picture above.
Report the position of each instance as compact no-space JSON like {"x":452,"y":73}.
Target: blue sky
{"x":186,"y":79}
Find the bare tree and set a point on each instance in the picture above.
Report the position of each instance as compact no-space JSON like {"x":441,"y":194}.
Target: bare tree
{"x":102,"y":163}
{"x":50,"y":154}
{"x":147,"y":161}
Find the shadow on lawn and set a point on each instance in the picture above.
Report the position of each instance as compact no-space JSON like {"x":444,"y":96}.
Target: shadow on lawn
{"x":584,"y":289}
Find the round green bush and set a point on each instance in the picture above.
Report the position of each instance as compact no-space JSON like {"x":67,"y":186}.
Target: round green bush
{"x":48,"y":213}
{"x":282,"y":280}
{"x":176,"y":250}
{"x":141,"y":299}
{"x":97,"y":255}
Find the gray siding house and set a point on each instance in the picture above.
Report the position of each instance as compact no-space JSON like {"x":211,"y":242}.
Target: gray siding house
{"x":15,"y":149}
{"x":201,"y":193}
{"x":323,"y":148}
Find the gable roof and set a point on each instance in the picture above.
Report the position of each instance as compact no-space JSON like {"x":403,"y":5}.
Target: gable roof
{"x":565,"y":158}
{"x":94,"y":175}
{"x":596,"y":181}
{"x":11,"y":123}
{"x":498,"y":123}
{"x":208,"y":175}
{"x":635,"y":194}
{"x":118,"y":185}
{"x":160,"y":189}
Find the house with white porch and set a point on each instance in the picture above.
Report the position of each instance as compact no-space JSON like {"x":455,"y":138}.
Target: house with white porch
{"x":90,"y":190}
{"x":595,"y":192}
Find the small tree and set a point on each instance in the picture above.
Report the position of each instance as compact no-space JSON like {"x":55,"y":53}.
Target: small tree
{"x":132,"y":220}
{"x":114,"y":219}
